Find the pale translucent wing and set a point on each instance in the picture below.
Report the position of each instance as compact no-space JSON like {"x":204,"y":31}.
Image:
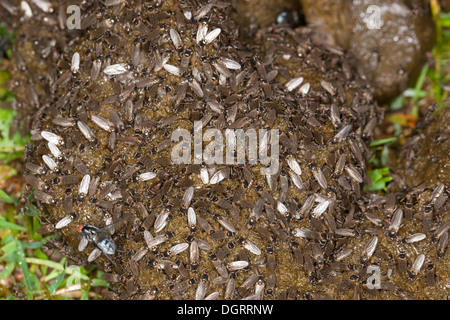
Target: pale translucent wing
{"x":94,"y":254}
{"x":83,"y":243}
{"x":64,"y":222}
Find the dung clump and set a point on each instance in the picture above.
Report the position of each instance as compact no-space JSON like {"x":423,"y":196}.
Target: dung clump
{"x":255,"y":14}
{"x":102,"y":167}
{"x":390,"y":39}
{"x":424,"y":157}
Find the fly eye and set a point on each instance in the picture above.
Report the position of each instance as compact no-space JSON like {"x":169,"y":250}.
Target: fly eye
{"x":80,"y":228}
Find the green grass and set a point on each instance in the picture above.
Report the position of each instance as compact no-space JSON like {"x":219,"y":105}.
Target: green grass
{"x":28,"y":270}
{"x":11,"y":146}
{"x":5,"y":34}
{"x":379,"y":173}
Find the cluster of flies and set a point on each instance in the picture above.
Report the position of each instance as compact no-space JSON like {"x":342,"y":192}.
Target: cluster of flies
{"x":321,"y":250}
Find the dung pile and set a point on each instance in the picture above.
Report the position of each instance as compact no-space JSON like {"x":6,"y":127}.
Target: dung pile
{"x":102,"y":155}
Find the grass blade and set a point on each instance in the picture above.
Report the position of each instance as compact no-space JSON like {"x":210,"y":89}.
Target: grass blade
{"x":7,"y":270}
{"x":380,"y":142}
{"x":4,"y":197}
{"x":24,"y":267}
{"x":5,"y":225}
{"x":51,"y":264}
{"x":55,"y":284}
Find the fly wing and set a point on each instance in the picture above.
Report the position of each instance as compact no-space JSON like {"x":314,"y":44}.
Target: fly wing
{"x":112,"y":227}
{"x":83,"y":243}
{"x":94,"y":254}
